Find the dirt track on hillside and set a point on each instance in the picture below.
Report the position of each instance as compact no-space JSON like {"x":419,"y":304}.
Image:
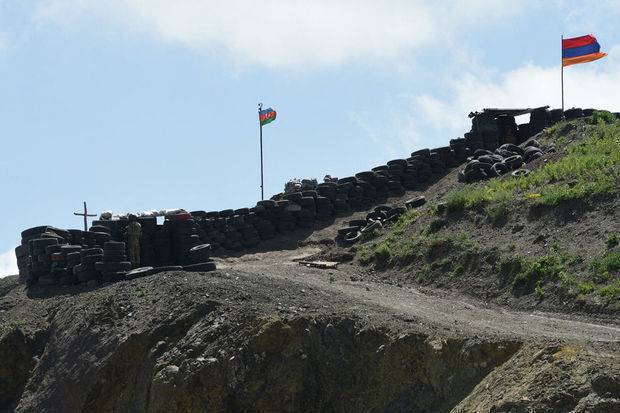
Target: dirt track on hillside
{"x":447,"y":312}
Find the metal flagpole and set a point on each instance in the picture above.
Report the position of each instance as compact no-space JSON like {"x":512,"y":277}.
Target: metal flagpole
{"x":262,"y":196}
{"x":562,"y":65}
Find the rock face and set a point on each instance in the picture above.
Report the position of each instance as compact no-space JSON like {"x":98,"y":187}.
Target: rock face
{"x":188,"y":342}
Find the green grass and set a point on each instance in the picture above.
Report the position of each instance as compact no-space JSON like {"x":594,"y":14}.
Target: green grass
{"x":539,"y":291}
{"x":383,"y":254}
{"x":590,"y":167}
{"x":612,"y":241}
{"x":607,"y":266}
{"x":14,"y":324}
{"x":457,"y":271}
{"x":404,"y":221}
{"x":436,"y":224}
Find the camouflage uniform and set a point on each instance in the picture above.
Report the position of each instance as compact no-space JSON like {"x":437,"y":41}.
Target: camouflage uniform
{"x":133,"y":234}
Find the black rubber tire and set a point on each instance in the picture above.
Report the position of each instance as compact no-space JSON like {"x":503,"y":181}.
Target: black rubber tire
{"x":512,"y":148}
{"x":43,"y":242}
{"x":473,"y":175}
{"x":357,"y":223}
{"x":113,"y":266}
{"x":488,"y":159}
{"x":398,"y":211}
{"x":521,"y":172}
{"x":242,"y":211}
{"x":167,"y":268}
{"x":352,"y":237}
{"x":34,"y":231}
{"x":344,"y":231}
{"x":201,"y":267}
{"x":114,"y":246}
{"x":514,"y":162}
{"x":139,"y":272}
{"x":416,"y":202}
{"x":500,"y":168}
{"x":91,"y":259}
{"x":535,"y":156}
{"x":91,"y":251}
{"x":372,"y":226}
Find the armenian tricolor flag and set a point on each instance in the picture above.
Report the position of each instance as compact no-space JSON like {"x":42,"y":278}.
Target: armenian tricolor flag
{"x":266,"y":116}
{"x":580,"y":50}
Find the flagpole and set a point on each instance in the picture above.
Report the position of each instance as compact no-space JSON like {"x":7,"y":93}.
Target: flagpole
{"x":562,"y":65}
{"x":262,"y":196}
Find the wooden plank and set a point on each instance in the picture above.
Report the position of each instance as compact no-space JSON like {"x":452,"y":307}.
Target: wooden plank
{"x":319,"y":264}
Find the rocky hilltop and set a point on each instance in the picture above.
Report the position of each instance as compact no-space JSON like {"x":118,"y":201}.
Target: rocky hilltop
{"x":500,"y":295}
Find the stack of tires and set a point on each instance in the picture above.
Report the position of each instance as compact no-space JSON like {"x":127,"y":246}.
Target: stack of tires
{"x":162,"y":244}
{"x":199,"y":259}
{"x":76,"y":237}
{"x":507,"y":129}
{"x":307,"y":212}
{"x":23,"y":262}
{"x":508,"y":157}
{"x":212,"y":234}
{"x":266,"y":213}
{"x":460,"y":149}
{"x":40,"y":260}
{"x":540,"y":118}
{"x":184,"y":236}
{"x":474,"y":140}
{"x":57,"y":262}
{"x":420,"y":162}
{"x":573,"y":113}
{"x":327,"y":190}
{"x":380,"y":183}
{"x":74,"y":258}
{"x":62,"y":270}
{"x":101,"y":234}
{"x":147,"y":244}
{"x":286,"y":215}
{"x":324,"y":208}
{"x":86,"y":271}
{"x":113,"y":265}
{"x":556,"y":115}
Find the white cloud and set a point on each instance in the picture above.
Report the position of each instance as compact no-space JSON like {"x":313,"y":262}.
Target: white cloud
{"x":590,"y":85}
{"x":8,"y":263}
{"x":293,"y":33}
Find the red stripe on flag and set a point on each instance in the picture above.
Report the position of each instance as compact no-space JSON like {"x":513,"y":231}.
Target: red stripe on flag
{"x":578,"y":41}
{"x":267,"y":115}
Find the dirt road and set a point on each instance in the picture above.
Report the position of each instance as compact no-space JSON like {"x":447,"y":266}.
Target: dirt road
{"x":447,"y":312}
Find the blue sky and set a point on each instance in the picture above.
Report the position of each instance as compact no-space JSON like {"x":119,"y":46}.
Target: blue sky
{"x":133,"y":105}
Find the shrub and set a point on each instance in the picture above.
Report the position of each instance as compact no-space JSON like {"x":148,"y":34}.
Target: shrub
{"x":602,"y":115}
{"x":539,"y":291}
{"x":498,"y":213}
{"x":547,"y":266}
{"x":436,"y":224}
{"x":383,"y":254}
{"x":457,"y":271}
{"x":612,"y":241}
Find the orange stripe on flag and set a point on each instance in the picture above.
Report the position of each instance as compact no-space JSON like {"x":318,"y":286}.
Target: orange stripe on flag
{"x":582,"y":59}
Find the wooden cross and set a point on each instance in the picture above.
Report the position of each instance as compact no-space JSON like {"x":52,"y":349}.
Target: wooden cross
{"x":85,"y":215}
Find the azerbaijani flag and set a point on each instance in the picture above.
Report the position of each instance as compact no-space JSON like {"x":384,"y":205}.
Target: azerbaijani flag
{"x":266,"y":116}
{"x":580,"y":50}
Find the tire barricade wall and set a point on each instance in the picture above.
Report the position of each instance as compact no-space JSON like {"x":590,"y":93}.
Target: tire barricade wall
{"x":49,"y":255}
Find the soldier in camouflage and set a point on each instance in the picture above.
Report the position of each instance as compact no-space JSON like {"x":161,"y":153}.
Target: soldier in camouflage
{"x":133,"y":234}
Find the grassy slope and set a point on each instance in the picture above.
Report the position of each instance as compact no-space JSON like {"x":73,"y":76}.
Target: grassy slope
{"x":420,"y":248}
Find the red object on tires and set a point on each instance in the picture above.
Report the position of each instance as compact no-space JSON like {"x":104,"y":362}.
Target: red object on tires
{"x":179,"y":217}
